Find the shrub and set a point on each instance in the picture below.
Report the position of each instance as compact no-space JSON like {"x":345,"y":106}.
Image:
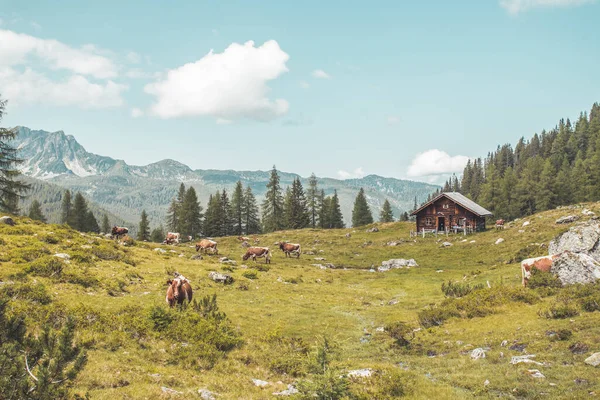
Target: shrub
{"x":30,"y":253}
{"x":382,"y":386}
{"x":46,"y":266}
{"x":50,"y":239}
{"x":160,"y":318}
{"x":400,"y":332}
{"x":250,"y":274}
{"x":435,"y":316}
{"x":34,"y":292}
{"x":262,"y":267}
{"x":540,"y":279}
{"x":559,"y":310}
{"x":243,"y":286}
{"x":564,"y":334}
{"x":529,"y":251}
{"x":82,"y":278}
{"x":458,"y":289}
{"x":591,"y":303}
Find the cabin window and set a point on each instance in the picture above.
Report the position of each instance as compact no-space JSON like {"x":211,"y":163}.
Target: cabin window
{"x":446,"y":206}
{"x":428,"y":221}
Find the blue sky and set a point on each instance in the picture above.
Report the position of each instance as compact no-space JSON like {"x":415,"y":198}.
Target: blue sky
{"x":342,"y":89}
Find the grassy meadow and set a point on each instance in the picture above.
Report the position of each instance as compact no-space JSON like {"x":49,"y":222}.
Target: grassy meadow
{"x":399,"y":323}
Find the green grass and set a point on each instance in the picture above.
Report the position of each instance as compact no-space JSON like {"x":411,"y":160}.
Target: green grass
{"x":276,"y":316}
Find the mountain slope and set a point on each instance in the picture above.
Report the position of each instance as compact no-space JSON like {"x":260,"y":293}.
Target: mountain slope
{"x":127,"y":189}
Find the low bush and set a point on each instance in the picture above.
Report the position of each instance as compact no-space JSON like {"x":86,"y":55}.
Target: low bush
{"x":540,"y":279}
{"x":47,"y":266}
{"x":529,"y":251}
{"x":29,"y":253}
{"x":383,"y":385}
{"x":559,"y":310}
{"x":26,"y":291}
{"x":250,"y":274}
{"x":400,"y":332}
{"x":458,"y":289}
{"x":262,"y":267}
{"x":50,"y":239}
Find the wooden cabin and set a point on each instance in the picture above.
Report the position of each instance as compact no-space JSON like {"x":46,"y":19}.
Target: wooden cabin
{"x":449,"y":212}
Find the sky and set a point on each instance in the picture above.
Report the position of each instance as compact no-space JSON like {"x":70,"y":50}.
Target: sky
{"x":409,"y":89}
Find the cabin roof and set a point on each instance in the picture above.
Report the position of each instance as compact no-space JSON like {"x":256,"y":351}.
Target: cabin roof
{"x":460,"y":200}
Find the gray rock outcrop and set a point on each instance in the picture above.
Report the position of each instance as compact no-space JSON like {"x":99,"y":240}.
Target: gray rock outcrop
{"x":573,"y":268}
{"x":583,"y":238}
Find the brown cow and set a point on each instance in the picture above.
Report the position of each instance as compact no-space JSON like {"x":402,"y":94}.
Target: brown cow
{"x":500,"y":224}
{"x":118,"y":231}
{"x":206,"y":244}
{"x":178,"y":291}
{"x":254,"y":252}
{"x":289,"y":248}
{"x":172,"y":237}
{"x":543,"y":264}
{"x":243,"y":239}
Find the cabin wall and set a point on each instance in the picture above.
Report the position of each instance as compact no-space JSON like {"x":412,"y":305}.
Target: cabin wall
{"x":452,"y":215}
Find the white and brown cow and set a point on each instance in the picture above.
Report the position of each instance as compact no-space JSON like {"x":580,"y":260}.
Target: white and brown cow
{"x":118,"y":231}
{"x":205,"y":245}
{"x":172,"y":237}
{"x":178,"y":291}
{"x":499,"y":224}
{"x":290,"y":248}
{"x":543,"y":264}
{"x":258,"y":252}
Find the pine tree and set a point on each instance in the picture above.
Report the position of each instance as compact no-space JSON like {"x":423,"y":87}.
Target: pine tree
{"x":324,"y":207}
{"x":250,"y":213}
{"x":105,"y":224}
{"x":296,"y":211}
{"x":173,"y":220}
{"x":35,"y":211}
{"x":158,"y":234}
{"x":91,"y":224}
{"x":546,"y":197}
{"x":361,"y":214}
{"x":272,"y":206}
{"x":404,"y":216}
{"x":66,"y":208}
{"x":336,"y":219}
{"x":212,"y":218}
{"x":287,"y":208}
{"x":11,"y":189}
{"x":386,"y":214}
{"x":564,"y":191}
{"x":144,"y":227}
{"x":226,"y":215}
{"x":312,"y":194}
{"x":191,"y":214}
{"x":237,"y":205}
{"x":79,"y":213}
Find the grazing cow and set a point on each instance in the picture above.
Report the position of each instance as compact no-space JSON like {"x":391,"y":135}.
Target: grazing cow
{"x":243,"y":239}
{"x":118,"y":231}
{"x":172,"y":237}
{"x":205,"y":245}
{"x":178,"y":291}
{"x":499,"y":224}
{"x":543,"y":264}
{"x":254,"y":252}
{"x":289,"y":248}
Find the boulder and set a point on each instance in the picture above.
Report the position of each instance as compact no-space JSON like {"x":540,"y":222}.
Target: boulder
{"x":206,"y":394}
{"x":7,"y":221}
{"x":360,"y":373}
{"x":588,"y":212}
{"x":169,"y":391}
{"x":446,"y":244}
{"x":373,"y":229}
{"x":348,"y":235}
{"x":567,"y":219}
{"x":220,"y":278}
{"x":579,"y":239}
{"x":260,"y":383}
{"x":64,"y":256}
{"x":291,"y":389}
{"x":225,"y":260}
{"x":159,"y":250}
{"x":593,"y":360}
{"x":500,"y":240}
{"x":535,"y":373}
{"x":196,"y":257}
{"x":478,"y":353}
{"x":573,"y":268}
{"x":526,"y":223}
{"x":527,"y":359}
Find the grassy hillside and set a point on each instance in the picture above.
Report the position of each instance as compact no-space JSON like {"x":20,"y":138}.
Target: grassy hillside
{"x":277,"y":317}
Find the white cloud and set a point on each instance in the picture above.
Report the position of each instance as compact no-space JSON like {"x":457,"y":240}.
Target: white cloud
{"x":227,"y":85}
{"x":393,"y":120}
{"x":35,"y":26}
{"x":304,"y":85}
{"x":30,"y":87}
{"x":356,"y":174}
{"x":435,"y":162}
{"x":518,"y":6}
{"x":133,"y":57}
{"x":16,"y":47}
{"x":136,"y":112}
{"x":320,"y":74}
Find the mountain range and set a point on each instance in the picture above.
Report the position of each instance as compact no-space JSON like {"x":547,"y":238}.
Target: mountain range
{"x":125,"y":190}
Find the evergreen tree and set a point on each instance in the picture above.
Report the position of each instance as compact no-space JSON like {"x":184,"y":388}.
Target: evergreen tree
{"x":35,"y":211}
{"x":296,"y":211}
{"x":386,"y":214}
{"x":80,"y":213}
{"x":564,"y":191}
{"x":546,"y":197}
{"x":404,"y":216}
{"x":11,"y":189}
{"x":361,"y":213}
{"x":272,"y":206}
{"x":226,"y":215}
{"x":173,"y":220}
{"x":287,"y":208}
{"x":324,"y":204}
{"x":250,"y":213}
{"x":237,"y":206}
{"x":144,"y":227}
{"x":213,"y":216}
{"x":91,"y":224}
{"x":336,"y":219}
{"x":66,"y":208}
{"x":191,"y":214}
{"x":105,"y":224}
{"x":158,"y":234}
{"x":312,"y":195}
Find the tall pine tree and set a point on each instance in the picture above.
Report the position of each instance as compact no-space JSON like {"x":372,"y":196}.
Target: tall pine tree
{"x":250,"y":213}
{"x":105,"y":224}
{"x":237,"y":206}
{"x":144,"y":227}
{"x":66,"y":208}
{"x":35,"y":211}
{"x":361,"y":213}
{"x":272,"y":206}
{"x":80,"y":213}
{"x":387,"y":215}
{"x":312,"y":196}
{"x":191,"y":214}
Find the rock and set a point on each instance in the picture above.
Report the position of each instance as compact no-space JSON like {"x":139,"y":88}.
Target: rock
{"x":170,"y":391}
{"x":504,"y":343}
{"x":573,"y":268}
{"x":579,"y":239}
{"x":521,"y":231}
{"x":225,"y":260}
{"x":472,"y":241}
{"x":527,"y":359}
{"x":64,"y":256}
{"x":518,"y":347}
{"x":348,"y":235}
{"x":534,"y":373}
{"x":319,"y":259}
{"x":309,"y":253}
{"x":526,"y":223}
{"x":578,"y":348}
{"x":593,"y":360}
{"x":486,"y":382}
{"x":587,"y":212}
{"x":206,"y":394}
{"x":396,"y":263}
{"x":373,"y":229}
{"x":393,"y":302}
{"x":220,"y":278}
{"x":259,"y":383}
{"x":86,"y":246}
{"x":7,"y":221}
{"x":245,"y":244}
{"x":159,"y":250}
{"x":196,"y":257}
{"x":380,"y":329}
{"x":439,"y":271}
{"x":291,"y":389}
{"x":394,"y":243}
{"x":478,"y":353}
{"x":567,"y":220}
{"x":360,"y":373}
{"x":500,"y":240}
{"x":446,"y":244}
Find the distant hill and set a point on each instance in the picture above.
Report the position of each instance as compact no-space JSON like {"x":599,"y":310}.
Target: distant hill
{"x":125,"y":190}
